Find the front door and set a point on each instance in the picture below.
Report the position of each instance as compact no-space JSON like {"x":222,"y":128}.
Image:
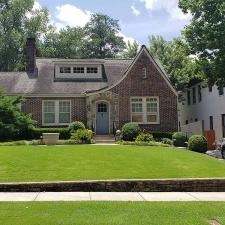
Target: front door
{"x":223,"y":124}
{"x":102,"y":118}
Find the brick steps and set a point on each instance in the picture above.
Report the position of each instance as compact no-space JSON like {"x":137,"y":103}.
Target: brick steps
{"x":109,"y":139}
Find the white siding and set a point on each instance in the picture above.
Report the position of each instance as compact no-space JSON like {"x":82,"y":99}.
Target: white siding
{"x":212,"y":104}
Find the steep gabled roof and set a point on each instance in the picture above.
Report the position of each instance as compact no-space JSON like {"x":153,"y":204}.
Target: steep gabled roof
{"x":157,"y":64}
{"x":46,"y":84}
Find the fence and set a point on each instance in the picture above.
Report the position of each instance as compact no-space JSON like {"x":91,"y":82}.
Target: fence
{"x":195,"y":128}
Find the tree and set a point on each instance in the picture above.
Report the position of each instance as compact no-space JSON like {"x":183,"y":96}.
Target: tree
{"x":173,"y":55}
{"x":206,"y":36}
{"x":13,"y":123}
{"x":18,"y":20}
{"x":131,"y":50}
{"x":103,"y":40}
{"x":67,"y":43}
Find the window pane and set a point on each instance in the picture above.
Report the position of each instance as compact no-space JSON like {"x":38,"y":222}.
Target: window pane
{"x":64,"y":112}
{"x":92,"y":69}
{"x":49,"y":118}
{"x":65,"y":69}
{"x":102,"y":107}
{"x":64,"y":107}
{"x":151,"y":118}
{"x":64,"y":117}
{"x":152,"y":107}
{"x":194,"y":94}
{"x":78,"y":69}
{"x":137,"y":118}
{"x":137,"y":107}
{"x":151,"y":100}
{"x":49,"y":106}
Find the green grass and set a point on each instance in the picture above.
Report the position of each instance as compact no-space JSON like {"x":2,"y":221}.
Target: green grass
{"x":88,"y":162}
{"x":111,"y":213}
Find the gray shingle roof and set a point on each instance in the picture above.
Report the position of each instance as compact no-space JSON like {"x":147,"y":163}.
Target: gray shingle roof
{"x":44,"y":83}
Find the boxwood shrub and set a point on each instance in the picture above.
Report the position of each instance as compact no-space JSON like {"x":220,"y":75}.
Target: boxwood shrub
{"x":179,"y":139}
{"x":64,"y":133}
{"x":198,"y":143}
{"x":76,"y":125}
{"x":130,"y":131}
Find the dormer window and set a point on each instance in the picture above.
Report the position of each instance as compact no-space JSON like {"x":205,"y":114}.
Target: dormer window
{"x":92,"y":69}
{"x":66,"y":69}
{"x":78,"y":69}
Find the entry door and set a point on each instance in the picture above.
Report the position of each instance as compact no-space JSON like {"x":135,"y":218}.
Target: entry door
{"x":102,"y":118}
{"x":223,"y":124}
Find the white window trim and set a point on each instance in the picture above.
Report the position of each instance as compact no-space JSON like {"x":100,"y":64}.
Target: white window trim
{"x":56,"y":113}
{"x":99,"y":71}
{"x":144,"y":109}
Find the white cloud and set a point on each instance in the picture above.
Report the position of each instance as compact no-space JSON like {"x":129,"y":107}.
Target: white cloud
{"x":72,"y":16}
{"x":170,"y":6}
{"x":126,"y":38}
{"x":37,"y":6}
{"x":135,"y":11}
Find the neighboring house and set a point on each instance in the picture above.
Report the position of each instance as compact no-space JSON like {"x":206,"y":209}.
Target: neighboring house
{"x":102,"y":93}
{"x":206,"y":104}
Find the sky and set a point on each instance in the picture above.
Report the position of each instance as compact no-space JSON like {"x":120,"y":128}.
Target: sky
{"x":137,"y":18}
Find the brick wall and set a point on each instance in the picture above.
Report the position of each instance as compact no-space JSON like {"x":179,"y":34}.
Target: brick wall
{"x":153,"y":85}
{"x":33,"y":106}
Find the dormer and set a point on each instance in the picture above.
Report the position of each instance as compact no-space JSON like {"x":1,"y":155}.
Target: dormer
{"x":81,"y":70}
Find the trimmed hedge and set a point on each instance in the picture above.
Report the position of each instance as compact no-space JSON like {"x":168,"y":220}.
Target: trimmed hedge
{"x":64,"y":133}
{"x":160,"y":135}
{"x":198,"y":143}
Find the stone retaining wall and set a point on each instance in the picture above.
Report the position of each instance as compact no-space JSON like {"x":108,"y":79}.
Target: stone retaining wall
{"x":163,"y":185}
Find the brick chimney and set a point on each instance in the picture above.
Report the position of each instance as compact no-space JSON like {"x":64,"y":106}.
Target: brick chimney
{"x":31,"y":55}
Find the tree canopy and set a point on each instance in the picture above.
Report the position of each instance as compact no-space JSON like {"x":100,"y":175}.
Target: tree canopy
{"x":180,"y":67}
{"x":206,"y":36}
{"x":18,"y":20}
{"x":103,"y":40}
{"x":131,"y":50}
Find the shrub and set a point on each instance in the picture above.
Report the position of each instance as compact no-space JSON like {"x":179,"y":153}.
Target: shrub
{"x":36,"y":133}
{"x":160,"y":135}
{"x":76,"y":125}
{"x":144,"y":137}
{"x":179,"y":139}
{"x":167,"y":141}
{"x":14,"y":124}
{"x":82,"y":136}
{"x":130,"y":131}
{"x":198,"y":143}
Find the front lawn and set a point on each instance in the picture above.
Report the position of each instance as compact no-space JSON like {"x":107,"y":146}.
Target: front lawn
{"x":111,"y":213}
{"x":89,"y":162}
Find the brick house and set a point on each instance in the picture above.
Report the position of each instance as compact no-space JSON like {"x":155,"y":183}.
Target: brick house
{"x":102,"y":93}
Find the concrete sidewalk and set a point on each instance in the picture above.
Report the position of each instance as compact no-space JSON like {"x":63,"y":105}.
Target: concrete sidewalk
{"x":111,"y":196}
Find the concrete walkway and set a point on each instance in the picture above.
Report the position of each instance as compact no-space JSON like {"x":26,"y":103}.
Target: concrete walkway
{"x":111,"y":196}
